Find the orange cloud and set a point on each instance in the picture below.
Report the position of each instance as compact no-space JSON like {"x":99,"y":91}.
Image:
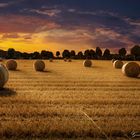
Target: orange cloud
{"x":29,"y":33}
{"x":63,"y":36}
{"x":10,"y":35}
{"x":24,"y":24}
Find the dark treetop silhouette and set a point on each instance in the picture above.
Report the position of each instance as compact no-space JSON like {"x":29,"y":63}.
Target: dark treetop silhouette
{"x":90,"y":54}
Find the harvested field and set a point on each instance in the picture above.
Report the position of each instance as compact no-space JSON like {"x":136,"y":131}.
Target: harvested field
{"x":54,"y":103}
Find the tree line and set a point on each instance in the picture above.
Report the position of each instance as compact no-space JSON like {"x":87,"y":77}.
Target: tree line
{"x":98,"y":54}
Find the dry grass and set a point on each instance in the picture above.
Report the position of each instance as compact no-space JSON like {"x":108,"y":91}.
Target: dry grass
{"x":50,"y":104}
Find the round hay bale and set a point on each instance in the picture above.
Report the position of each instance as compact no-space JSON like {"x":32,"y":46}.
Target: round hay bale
{"x":113,"y":60}
{"x":11,"y":65}
{"x":69,"y":60}
{"x":87,"y":63}
{"x":118,"y":64}
{"x":4,"y":75}
{"x":1,"y":59}
{"x":39,"y":65}
{"x":131,"y":69}
{"x":65,"y":59}
{"x":2,"y":79}
{"x":51,"y":60}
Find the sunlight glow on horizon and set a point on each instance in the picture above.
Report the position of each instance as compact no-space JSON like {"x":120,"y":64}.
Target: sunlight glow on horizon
{"x":25,"y":42}
{"x":37,"y":45}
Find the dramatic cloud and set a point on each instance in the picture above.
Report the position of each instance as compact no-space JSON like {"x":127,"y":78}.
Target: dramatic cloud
{"x":107,"y":23}
{"x":13,"y":35}
{"x":24,"y":24}
{"x":3,"y":5}
{"x":67,"y":36}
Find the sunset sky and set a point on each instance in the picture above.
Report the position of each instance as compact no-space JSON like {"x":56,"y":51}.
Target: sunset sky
{"x":35,"y":25}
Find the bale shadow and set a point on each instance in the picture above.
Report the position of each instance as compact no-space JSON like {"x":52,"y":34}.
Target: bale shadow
{"x":5,"y":92}
{"x":17,"y":70}
{"x":133,"y":77}
{"x":138,"y":78}
{"x":96,"y":67}
{"x":45,"y":71}
{"x":48,"y":71}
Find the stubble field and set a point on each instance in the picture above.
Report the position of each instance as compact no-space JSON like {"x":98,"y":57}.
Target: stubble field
{"x":69,"y":101}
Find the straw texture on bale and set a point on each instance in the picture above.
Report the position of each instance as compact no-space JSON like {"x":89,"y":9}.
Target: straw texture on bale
{"x":39,"y":65}
{"x":118,"y":64}
{"x":131,"y":69}
{"x":87,"y":63}
{"x":11,"y":65}
{"x":4,"y":75}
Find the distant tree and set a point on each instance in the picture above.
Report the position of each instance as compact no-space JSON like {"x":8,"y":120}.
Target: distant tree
{"x":25,"y":55}
{"x":92,"y":53}
{"x":87,"y":54}
{"x":18,"y":54}
{"x":51,"y":55}
{"x":10,"y":53}
{"x":72,"y":54}
{"x":80,"y":55}
{"x":57,"y":53}
{"x":3,"y":54}
{"x":98,"y":52}
{"x":66,"y":54}
{"x":115,"y":56}
{"x":36,"y":55}
{"x":129,"y":57}
{"x":46,"y":54}
{"x":106,"y":54}
{"x":136,"y":51}
{"x":43,"y":54}
{"x":122,"y":53}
